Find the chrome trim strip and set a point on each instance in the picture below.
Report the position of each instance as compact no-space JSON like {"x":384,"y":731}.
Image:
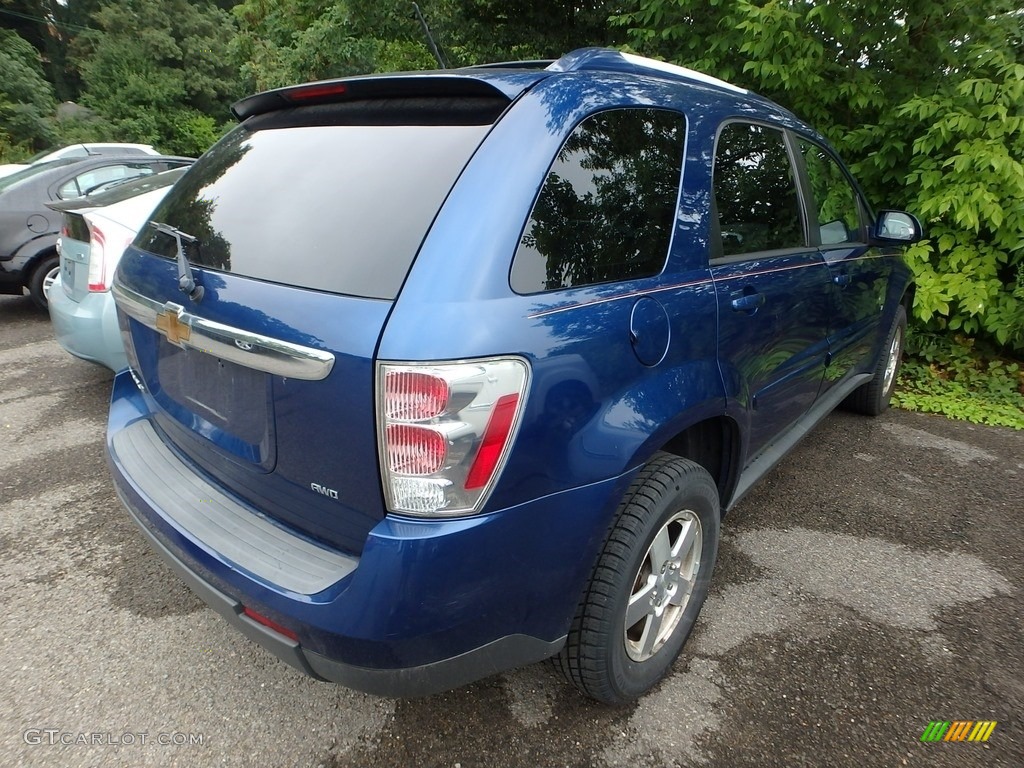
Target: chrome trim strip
{"x":618,"y":296}
{"x":704,"y":281}
{"x":252,"y":350}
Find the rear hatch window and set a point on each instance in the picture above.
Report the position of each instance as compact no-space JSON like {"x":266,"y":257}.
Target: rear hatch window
{"x":332,"y":197}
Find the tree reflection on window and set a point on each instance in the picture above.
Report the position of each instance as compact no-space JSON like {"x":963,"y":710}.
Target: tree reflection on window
{"x":755,"y":193}
{"x":606,"y":210}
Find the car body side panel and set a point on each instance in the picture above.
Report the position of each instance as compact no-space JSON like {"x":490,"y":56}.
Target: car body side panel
{"x":773,"y":358}
{"x":594,"y":410}
{"x":860,"y":280}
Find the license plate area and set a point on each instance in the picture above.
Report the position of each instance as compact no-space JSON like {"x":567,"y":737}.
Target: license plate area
{"x":227,"y":404}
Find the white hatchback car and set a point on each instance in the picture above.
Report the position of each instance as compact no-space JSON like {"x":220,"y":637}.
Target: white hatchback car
{"x":96,"y":230}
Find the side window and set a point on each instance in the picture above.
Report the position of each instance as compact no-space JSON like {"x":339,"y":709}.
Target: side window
{"x":755,"y":191}
{"x":85,"y":182}
{"x":837,"y":201}
{"x":607,"y":207}
{"x":69,"y":189}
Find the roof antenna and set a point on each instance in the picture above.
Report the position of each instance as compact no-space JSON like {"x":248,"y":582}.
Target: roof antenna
{"x":430,"y":38}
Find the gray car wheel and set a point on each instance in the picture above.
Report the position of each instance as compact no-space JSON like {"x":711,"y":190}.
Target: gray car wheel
{"x":43,"y":277}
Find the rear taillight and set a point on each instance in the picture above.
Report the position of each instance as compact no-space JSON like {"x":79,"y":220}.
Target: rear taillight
{"x":446,"y":430}
{"x":99,"y":280}
{"x":129,"y":348}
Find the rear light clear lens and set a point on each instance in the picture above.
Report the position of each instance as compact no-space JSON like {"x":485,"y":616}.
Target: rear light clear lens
{"x":446,"y":430}
{"x":98,"y":278}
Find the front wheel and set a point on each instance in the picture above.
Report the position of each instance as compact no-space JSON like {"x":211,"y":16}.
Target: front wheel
{"x":649,"y":583}
{"x":873,"y":397}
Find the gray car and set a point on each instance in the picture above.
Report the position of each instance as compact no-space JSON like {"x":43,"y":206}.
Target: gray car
{"x":29,"y":229}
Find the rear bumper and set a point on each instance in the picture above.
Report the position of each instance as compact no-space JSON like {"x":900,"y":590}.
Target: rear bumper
{"x":426,"y":606}
{"x":422,"y":680}
{"x":88,"y":328}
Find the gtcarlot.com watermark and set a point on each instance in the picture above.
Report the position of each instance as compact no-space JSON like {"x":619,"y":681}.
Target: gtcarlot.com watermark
{"x":54,"y":736}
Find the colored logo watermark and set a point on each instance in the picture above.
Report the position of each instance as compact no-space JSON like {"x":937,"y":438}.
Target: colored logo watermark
{"x":958,"y":730}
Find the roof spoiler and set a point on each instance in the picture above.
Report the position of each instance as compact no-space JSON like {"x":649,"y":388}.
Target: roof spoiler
{"x":369,"y":87}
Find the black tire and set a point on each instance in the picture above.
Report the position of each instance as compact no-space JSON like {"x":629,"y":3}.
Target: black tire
{"x":605,"y":659}
{"x":872,"y":397}
{"x":36,"y":283}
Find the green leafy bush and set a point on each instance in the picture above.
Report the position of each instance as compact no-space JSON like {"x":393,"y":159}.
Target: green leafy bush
{"x":948,"y":376}
{"x":923,"y":101}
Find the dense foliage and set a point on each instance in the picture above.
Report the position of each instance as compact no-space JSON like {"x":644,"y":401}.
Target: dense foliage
{"x":26,"y":98}
{"x":945,"y":374}
{"x":924,"y":98}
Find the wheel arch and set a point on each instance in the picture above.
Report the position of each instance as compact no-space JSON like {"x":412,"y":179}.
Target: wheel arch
{"x":30,"y":255}
{"x":714,"y":443}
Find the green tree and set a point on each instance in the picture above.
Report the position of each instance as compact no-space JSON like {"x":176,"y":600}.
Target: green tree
{"x":500,"y":30}
{"x":280,"y":42}
{"x":285,"y":42}
{"x":51,"y":26}
{"x":923,"y":98}
{"x":158,"y":72}
{"x":26,"y":98}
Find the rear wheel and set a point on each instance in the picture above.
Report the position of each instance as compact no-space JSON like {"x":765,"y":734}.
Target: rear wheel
{"x":649,"y":583}
{"x":43,"y":277}
{"x":873,"y":397}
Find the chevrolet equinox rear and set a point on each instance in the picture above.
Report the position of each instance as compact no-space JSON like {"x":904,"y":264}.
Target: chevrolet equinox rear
{"x":437,"y":374}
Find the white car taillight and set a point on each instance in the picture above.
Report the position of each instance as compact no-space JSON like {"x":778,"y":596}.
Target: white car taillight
{"x":98,"y":278}
{"x":445,"y":431}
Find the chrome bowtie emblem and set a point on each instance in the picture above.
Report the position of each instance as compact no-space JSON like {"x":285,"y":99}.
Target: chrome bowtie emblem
{"x":169,"y":324}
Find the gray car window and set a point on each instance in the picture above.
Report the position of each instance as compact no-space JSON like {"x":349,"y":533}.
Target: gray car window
{"x":83,"y":182}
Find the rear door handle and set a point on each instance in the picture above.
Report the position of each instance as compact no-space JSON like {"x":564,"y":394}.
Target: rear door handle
{"x":841,"y":279}
{"x":748,"y":303}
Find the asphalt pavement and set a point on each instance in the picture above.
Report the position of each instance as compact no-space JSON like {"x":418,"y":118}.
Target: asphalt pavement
{"x":871,"y":584}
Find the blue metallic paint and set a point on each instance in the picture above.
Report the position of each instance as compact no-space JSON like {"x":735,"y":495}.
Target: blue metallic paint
{"x":433,"y":586}
{"x":429,"y":590}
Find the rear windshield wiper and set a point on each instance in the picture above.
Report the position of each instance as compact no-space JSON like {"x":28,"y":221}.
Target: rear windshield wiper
{"x":186,"y":281}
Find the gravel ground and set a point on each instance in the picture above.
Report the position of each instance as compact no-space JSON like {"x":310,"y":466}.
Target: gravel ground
{"x":871,"y":583}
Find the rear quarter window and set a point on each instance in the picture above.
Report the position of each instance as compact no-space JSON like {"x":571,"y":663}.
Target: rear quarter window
{"x":606,"y":209}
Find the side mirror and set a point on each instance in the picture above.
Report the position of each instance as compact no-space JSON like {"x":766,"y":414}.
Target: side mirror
{"x":898,"y":227}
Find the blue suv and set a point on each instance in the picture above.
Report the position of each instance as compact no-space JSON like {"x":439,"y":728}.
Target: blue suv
{"x":437,"y":374}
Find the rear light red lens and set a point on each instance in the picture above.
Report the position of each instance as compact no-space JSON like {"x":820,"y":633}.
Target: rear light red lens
{"x":411,"y":396}
{"x":495,"y":436}
{"x":261,"y":619}
{"x":310,"y":92}
{"x":414,"y":450}
{"x":97,"y":260}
